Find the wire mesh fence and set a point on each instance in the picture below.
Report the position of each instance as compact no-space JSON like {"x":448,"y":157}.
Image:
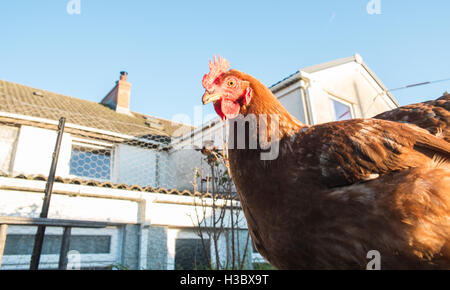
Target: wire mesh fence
{"x":100,"y":148}
{"x":99,"y":144}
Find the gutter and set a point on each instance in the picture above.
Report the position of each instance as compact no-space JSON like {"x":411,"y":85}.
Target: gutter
{"x":286,"y":82}
{"x":305,"y":81}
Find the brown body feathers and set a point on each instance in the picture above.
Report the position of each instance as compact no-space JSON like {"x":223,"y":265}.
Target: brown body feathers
{"x":339,"y":190}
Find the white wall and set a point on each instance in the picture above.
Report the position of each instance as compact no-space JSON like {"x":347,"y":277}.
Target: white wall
{"x":8,"y":139}
{"x":182,"y":166}
{"x":29,"y":204}
{"x":135,"y":165}
{"x":34,"y":151}
{"x":348,"y":82}
{"x":70,"y":201}
{"x":131,"y":164}
{"x":167,"y":171}
{"x":292,"y":101}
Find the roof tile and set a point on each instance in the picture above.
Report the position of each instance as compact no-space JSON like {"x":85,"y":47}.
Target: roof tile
{"x":108,"y":184}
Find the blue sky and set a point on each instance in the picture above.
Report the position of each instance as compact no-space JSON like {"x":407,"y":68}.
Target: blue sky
{"x":165,"y":46}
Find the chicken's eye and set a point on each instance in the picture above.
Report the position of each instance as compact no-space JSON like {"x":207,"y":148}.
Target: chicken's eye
{"x":231,"y":83}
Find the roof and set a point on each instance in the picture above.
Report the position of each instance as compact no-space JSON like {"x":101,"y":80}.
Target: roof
{"x":23,"y":100}
{"x":318,"y":67}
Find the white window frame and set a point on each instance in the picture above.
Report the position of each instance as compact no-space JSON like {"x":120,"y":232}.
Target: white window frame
{"x":12,"y":262}
{"x":350,"y":105}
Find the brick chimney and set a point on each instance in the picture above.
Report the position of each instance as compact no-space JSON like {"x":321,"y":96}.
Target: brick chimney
{"x":118,"y":98}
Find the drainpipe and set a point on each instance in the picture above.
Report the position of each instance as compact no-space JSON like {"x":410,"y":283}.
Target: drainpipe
{"x":305,"y":82}
{"x":143,"y":236}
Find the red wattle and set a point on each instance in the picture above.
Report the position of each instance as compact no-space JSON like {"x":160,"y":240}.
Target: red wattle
{"x":218,"y":108}
{"x":230,"y":108}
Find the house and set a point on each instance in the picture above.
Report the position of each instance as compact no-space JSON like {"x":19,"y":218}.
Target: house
{"x":114,"y":166}
{"x":138,"y":171}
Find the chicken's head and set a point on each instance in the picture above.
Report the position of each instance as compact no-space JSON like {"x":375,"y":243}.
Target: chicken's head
{"x":225,"y":89}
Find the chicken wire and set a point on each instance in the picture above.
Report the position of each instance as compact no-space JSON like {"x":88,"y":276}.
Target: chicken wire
{"x":141,"y":155}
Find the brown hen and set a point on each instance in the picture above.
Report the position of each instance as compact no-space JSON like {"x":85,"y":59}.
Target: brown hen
{"x":335,"y":191}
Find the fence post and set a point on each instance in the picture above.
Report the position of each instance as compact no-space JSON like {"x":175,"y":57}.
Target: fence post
{"x":3,"y":230}
{"x":65,"y":245}
{"x":39,"y":238}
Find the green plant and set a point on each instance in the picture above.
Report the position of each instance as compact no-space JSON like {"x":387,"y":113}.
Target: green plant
{"x":117,"y":267}
{"x":263,"y":266}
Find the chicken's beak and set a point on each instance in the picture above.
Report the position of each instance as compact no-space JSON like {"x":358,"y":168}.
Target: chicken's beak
{"x":208,"y":98}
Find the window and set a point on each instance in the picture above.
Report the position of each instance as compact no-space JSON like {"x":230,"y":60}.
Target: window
{"x":8,"y":138}
{"x":342,"y":111}
{"x":91,"y":162}
{"x":99,"y":248}
{"x":22,"y":244}
{"x":191,"y":255}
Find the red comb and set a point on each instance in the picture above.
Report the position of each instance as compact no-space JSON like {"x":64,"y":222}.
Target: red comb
{"x":216,"y":69}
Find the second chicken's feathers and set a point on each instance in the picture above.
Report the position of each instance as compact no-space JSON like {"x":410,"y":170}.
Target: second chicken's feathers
{"x":345,"y":152}
{"x":433,"y":116}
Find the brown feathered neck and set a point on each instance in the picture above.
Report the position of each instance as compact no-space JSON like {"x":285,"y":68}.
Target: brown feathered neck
{"x":264,"y":102}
